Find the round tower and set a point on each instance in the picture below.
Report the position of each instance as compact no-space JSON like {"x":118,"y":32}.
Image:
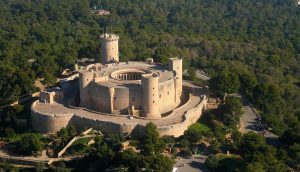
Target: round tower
{"x":150,"y":95}
{"x":85,"y":93}
{"x":109,"y":48}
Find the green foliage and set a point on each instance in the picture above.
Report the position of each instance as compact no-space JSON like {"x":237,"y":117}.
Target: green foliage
{"x":66,"y":133}
{"x":159,"y":163}
{"x":195,"y":132}
{"x":191,"y":74}
{"x":294,"y":151}
{"x":257,"y":167}
{"x":151,"y":143}
{"x":102,"y":153}
{"x":255,"y":151}
{"x":232,"y":105}
{"x":231,"y":111}
{"x":225,"y":82}
{"x":128,"y":158}
{"x":29,"y":144}
{"x":291,"y":135}
{"x":251,"y":143}
{"x":222,"y":162}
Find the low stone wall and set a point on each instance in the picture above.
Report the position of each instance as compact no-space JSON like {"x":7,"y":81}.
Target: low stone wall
{"x":21,"y":161}
{"x":48,"y":123}
{"x":106,"y":127}
{"x":190,"y":117}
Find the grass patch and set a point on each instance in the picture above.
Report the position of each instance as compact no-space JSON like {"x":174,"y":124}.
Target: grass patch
{"x":199,"y":127}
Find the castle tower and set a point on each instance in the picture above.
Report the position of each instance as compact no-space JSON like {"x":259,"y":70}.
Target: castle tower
{"x":150,"y":95}
{"x":109,"y":48}
{"x":84,"y":80}
{"x":175,"y":64}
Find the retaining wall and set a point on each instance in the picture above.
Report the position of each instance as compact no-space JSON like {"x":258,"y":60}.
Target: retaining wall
{"x":48,"y":123}
{"x":191,"y":116}
{"x":51,"y":123}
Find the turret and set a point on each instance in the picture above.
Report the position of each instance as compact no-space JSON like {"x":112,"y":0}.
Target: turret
{"x":175,"y":64}
{"x":150,"y":95}
{"x":84,"y":80}
{"x":109,"y":48}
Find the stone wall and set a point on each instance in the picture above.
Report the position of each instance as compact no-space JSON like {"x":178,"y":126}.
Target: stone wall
{"x":96,"y":96}
{"x":52,"y":123}
{"x":106,"y":127}
{"x":45,"y":123}
{"x":190,"y":117}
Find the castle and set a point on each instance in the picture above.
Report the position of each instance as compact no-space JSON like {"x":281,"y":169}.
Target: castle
{"x":121,"y":97}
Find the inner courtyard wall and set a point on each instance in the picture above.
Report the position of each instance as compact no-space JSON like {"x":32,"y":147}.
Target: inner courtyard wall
{"x":97,"y":97}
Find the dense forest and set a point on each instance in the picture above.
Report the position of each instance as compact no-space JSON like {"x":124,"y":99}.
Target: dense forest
{"x":247,"y":46}
{"x":257,"y":41}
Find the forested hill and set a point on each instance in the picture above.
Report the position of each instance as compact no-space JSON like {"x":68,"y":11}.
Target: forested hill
{"x":257,"y":42}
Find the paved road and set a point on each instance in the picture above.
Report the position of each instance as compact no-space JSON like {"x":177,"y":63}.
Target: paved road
{"x":248,"y":120}
{"x":194,"y":164}
{"x":199,"y":74}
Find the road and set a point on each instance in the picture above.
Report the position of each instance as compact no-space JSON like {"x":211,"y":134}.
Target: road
{"x":193,"y":164}
{"x":250,"y":121}
{"x":199,"y":74}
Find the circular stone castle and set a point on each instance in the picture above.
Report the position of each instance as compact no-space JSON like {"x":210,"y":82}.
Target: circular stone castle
{"x":121,"y":97}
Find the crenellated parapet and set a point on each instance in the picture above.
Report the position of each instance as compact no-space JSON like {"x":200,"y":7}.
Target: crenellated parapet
{"x":109,"y":48}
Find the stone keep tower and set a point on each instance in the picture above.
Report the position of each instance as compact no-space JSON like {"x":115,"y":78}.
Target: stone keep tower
{"x":109,"y":48}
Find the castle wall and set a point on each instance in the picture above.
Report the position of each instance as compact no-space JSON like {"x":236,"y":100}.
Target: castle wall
{"x":97,"y":96}
{"x":46,"y":123}
{"x":166,"y":96}
{"x":100,"y":98}
{"x":190,"y":117}
{"x":106,"y":127}
{"x":122,"y":98}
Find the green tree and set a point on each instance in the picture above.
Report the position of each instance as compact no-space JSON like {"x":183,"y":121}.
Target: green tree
{"x":225,"y":82}
{"x":211,"y":163}
{"x":194,"y":133}
{"x":295,"y":155}
{"x":291,"y":135}
{"x":257,"y":167}
{"x":251,"y":143}
{"x":191,"y":73}
{"x":128,"y":158}
{"x":29,"y":144}
{"x":64,"y":135}
{"x":102,"y":154}
{"x":151,"y":143}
